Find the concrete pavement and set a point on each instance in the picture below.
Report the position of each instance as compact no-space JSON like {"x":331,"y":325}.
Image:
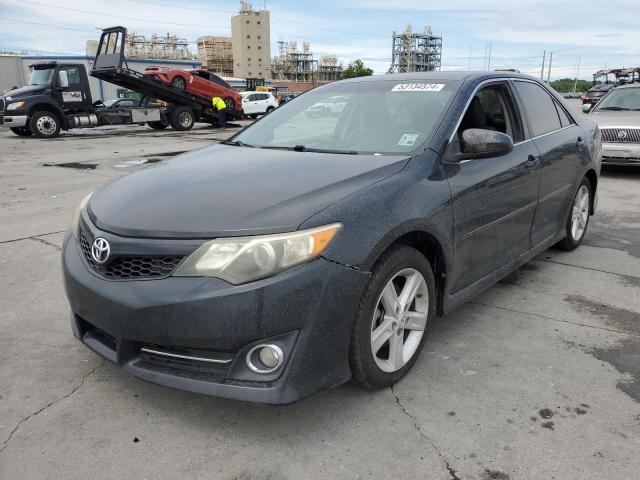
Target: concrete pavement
{"x":536,"y":378}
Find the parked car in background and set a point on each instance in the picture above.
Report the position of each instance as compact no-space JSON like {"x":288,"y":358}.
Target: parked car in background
{"x":122,"y":103}
{"x":594,"y":94}
{"x":333,"y":106}
{"x":306,"y":251}
{"x":258,"y":103}
{"x":618,"y":116}
{"x":198,"y":82}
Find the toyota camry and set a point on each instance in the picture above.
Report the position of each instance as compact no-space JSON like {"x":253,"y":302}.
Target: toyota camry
{"x":307,"y":251}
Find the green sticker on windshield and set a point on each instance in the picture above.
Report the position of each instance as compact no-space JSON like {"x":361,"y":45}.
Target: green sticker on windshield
{"x":408,"y":139}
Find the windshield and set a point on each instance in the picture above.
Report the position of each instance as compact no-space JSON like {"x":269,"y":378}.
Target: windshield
{"x":383,"y":117}
{"x":621,"y":99}
{"x":41,"y":76}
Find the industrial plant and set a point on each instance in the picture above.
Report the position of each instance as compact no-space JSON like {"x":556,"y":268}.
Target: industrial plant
{"x":415,"y":52}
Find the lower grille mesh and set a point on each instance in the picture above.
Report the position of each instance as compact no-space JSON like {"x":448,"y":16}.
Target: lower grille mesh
{"x":131,"y":267}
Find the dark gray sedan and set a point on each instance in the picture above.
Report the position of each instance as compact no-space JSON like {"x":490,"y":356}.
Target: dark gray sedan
{"x":307,"y":251}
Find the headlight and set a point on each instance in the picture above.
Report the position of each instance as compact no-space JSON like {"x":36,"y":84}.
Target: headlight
{"x":75,"y":221}
{"x":245,"y":259}
{"x":15,"y":105}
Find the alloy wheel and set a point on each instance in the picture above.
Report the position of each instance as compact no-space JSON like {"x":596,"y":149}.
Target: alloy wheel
{"x":580,"y":213}
{"x":399,"y":320}
{"x":185,"y":119}
{"x":46,"y":125}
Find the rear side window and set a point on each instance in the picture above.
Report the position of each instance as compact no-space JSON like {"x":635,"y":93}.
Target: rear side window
{"x":539,"y":107}
{"x":565,"y":120}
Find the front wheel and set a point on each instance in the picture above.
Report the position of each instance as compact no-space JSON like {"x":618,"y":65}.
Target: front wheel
{"x":578,"y":219}
{"x":231,"y":105}
{"x":45,"y":124}
{"x":22,"y":131}
{"x":179,"y":83}
{"x":395,"y":313}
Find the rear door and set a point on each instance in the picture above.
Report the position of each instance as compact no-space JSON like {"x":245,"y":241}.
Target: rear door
{"x":562,"y":145}
{"x":494,"y":199}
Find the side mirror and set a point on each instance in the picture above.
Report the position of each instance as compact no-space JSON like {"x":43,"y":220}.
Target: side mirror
{"x":586,"y":107}
{"x":481,"y":143}
{"x":63,"y":79}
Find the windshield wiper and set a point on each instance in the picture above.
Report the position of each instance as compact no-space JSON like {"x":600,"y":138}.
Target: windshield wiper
{"x":613,"y":108}
{"x":302,"y":148}
{"x":236,"y":143}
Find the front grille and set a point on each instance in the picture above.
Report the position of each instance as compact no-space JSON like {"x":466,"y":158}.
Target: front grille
{"x":2,"y":103}
{"x":621,"y":135}
{"x":131,"y":267}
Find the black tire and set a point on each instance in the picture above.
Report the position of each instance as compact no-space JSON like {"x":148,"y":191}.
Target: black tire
{"x":179,"y":83}
{"x":270,"y":109}
{"x":158,"y":125}
{"x":45,"y":124}
{"x":253,"y":115}
{"x":181,"y":118}
{"x":570,"y":242}
{"x":365,"y":372}
{"x":231,"y":105}
{"x":22,"y":131}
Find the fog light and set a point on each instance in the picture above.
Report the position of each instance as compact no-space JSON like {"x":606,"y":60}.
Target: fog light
{"x":265,"y":358}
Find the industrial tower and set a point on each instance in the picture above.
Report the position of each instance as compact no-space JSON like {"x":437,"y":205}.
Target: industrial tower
{"x":415,"y":52}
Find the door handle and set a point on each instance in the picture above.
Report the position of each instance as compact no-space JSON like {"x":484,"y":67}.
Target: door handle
{"x":531,"y":163}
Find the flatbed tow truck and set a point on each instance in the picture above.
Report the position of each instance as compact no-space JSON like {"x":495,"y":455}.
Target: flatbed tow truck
{"x":59,"y":97}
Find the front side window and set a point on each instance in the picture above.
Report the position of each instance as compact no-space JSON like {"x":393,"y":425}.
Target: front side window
{"x":73,"y":75}
{"x":384,"y":117}
{"x":492,"y":108}
{"x":540,"y":108}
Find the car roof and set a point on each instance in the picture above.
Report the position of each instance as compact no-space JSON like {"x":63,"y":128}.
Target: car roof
{"x":629,"y":85}
{"x":251,"y":91}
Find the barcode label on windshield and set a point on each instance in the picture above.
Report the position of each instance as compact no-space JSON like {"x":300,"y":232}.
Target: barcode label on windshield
{"x":418,"y":87}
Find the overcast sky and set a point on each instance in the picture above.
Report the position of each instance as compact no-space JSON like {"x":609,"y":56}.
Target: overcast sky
{"x":599,"y":33}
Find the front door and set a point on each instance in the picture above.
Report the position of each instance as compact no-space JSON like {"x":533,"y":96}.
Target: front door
{"x":494,"y":199}
{"x":70,"y":88}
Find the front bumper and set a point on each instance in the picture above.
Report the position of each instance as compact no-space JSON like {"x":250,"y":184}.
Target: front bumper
{"x":308,"y":311}
{"x":13,"y":121}
{"x":621,"y":153}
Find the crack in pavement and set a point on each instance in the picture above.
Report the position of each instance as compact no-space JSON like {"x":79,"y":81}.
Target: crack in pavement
{"x":31,"y":237}
{"x":545,"y":317}
{"x":42,"y":240}
{"x":585,"y":268}
{"x":53,"y":402}
{"x":417,"y":428}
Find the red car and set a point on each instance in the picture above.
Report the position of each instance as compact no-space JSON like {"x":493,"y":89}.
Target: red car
{"x":198,"y":82}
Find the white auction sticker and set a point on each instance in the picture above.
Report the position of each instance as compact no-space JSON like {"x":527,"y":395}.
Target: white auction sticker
{"x":408,"y":140}
{"x":418,"y":87}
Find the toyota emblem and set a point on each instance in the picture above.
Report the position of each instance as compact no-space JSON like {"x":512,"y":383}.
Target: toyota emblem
{"x":622,"y":135}
{"x":100,"y":250}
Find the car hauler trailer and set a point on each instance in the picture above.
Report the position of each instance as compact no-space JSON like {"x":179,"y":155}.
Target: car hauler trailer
{"x":59,"y":97}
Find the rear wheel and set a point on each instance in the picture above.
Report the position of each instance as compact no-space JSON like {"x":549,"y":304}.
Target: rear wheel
{"x":181,"y":118}
{"x":179,"y":83}
{"x":578,"y":219}
{"x":395,"y":313}
{"x":22,"y":131}
{"x":269,"y":109}
{"x":231,"y":105}
{"x":45,"y":124}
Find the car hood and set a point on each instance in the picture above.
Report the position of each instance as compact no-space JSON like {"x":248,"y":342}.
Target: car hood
{"x":613,"y":118}
{"x":228,"y":191}
{"x":26,"y":91}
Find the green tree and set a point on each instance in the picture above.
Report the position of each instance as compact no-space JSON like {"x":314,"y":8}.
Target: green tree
{"x":356,"y":69}
{"x":565,"y":85}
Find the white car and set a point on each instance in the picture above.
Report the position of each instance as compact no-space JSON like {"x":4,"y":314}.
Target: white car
{"x":258,"y":103}
{"x":333,"y":105}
